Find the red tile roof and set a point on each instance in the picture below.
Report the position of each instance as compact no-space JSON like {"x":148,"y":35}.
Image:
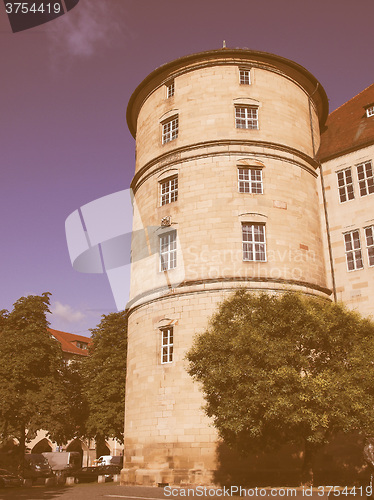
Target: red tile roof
{"x":68,"y":340}
{"x":348,"y":128}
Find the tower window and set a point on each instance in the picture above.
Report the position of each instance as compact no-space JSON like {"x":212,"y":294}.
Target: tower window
{"x":169,"y":190}
{"x":170,"y":89}
{"x":167,"y":345}
{"x":250,"y":180}
{"x":370,"y":111}
{"x":254,"y":245}
{"x":353,"y":252}
{"x":365,"y":178}
{"x":246,"y":117}
{"x":168,"y":251}
{"x":369,"y":234}
{"x":244,"y":76}
{"x":345,"y":185}
{"x":170,"y":130}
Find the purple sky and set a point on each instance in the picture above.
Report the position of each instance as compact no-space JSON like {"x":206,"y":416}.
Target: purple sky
{"x":64,"y":91}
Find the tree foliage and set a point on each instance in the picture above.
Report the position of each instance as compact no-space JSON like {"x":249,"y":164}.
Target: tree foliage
{"x":34,"y":393}
{"x":69,"y":414}
{"x":104,"y":377}
{"x":279,"y":369}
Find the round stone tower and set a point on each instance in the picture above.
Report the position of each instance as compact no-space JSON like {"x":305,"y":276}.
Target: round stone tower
{"x":225,"y":197}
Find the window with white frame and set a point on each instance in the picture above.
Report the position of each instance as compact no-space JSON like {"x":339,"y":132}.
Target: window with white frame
{"x":169,"y":190}
{"x":246,"y":117}
{"x":244,"y":76}
{"x":250,"y":180}
{"x":168,"y":251}
{"x":353,"y":252}
{"x":254,"y":244}
{"x":369,"y":234}
{"x":170,"y":89}
{"x":370,"y":111}
{"x":365,"y":178}
{"x":170,"y":130}
{"x":167,"y":345}
{"x":345,"y":185}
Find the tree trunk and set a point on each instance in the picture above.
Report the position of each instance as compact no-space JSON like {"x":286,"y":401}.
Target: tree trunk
{"x":101,"y":448}
{"x":307,"y":468}
{"x":22,"y":447}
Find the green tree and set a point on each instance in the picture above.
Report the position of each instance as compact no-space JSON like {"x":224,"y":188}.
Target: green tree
{"x":104,"y":374}
{"x":279,"y":369}
{"x":68,"y":417}
{"x":33,"y":387}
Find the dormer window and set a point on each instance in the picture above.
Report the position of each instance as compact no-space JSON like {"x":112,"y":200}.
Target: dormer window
{"x":81,"y":345}
{"x":370,"y":111}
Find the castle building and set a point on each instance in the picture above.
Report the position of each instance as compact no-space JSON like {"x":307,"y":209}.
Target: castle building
{"x":228,"y":195}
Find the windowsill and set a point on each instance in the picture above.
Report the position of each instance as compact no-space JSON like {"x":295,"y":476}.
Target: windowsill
{"x":168,"y":271}
{"x":346,"y":201}
{"x":167,"y":205}
{"x":253,"y":194}
{"x":173,"y":141}
{"x":256,"y":261}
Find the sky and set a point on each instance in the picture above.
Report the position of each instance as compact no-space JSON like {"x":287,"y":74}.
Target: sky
{"x":65,"y":86}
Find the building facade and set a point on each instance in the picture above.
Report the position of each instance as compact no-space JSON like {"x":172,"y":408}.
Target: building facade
{"x":73,"y":346}
{"x":347,"y":158}
{"x":227,"y":196}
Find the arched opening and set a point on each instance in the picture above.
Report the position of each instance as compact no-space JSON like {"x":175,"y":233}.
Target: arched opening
{"x":81,"y":448}
{"x":42,"y":446}
{"x":102,"y":448}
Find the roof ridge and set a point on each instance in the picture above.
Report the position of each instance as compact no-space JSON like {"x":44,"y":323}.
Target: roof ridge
{"x":88,"y":339}
{"x":351,"y":99}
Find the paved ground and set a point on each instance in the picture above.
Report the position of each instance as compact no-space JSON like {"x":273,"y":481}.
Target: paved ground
{"x":110,"y":491}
